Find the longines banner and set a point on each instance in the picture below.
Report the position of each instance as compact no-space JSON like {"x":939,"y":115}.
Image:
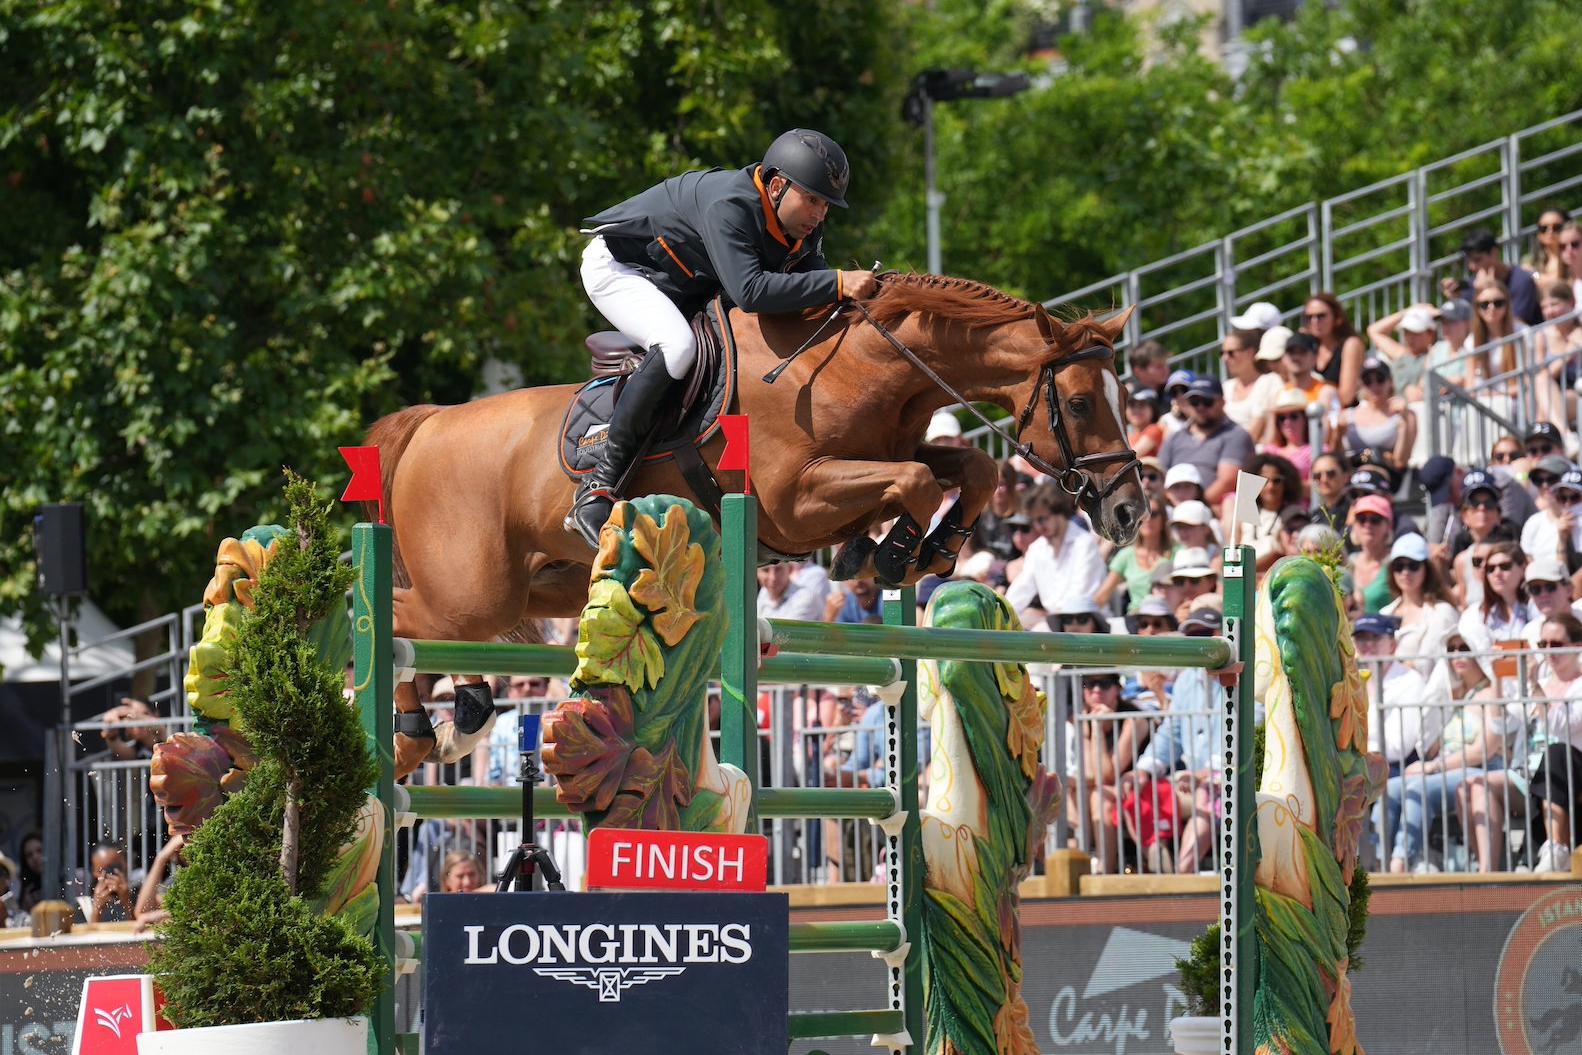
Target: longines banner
{"x":628,"y":973}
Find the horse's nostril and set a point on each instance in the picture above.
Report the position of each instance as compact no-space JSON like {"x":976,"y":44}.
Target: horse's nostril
{"x":1125,"y":516}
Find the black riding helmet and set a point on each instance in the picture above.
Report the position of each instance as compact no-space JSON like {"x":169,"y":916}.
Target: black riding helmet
{"x":811,"y":160}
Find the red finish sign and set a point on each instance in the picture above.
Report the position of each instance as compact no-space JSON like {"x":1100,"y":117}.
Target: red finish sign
{"x":627,"y":859}
{"x":114,"y":1010}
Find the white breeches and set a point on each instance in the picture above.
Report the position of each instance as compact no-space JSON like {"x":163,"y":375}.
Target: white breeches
{"x":637,"y":308}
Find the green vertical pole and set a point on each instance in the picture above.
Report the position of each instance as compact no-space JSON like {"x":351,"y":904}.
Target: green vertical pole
{"x":1238,"y":943}
{"x":900,"y":609}
{"x":739,"y":664}
{"x":373,"y":679}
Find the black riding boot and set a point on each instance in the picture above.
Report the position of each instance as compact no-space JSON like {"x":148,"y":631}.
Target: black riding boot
{"x":630,"y":423}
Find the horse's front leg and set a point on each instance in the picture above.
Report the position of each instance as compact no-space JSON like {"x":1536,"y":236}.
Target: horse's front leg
{"x":977,"y":475}
{"x":834,"y":494}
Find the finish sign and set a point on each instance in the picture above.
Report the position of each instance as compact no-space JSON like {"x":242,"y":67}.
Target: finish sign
{"x":628,"y":859}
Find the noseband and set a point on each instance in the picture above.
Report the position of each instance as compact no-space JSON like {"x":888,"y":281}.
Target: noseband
{"x":1076,"y":478}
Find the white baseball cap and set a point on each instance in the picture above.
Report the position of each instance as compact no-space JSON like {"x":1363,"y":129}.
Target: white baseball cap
{"x":1185,"y":473}
{"x":1258,"y":316}
{"x":943,"y":425}
{"x":1192,"y":563}
{"x":1412,"y":546}
{"x":1271,"y":347}
{"x":1546,"y":569}
{"x":1417,"y":320}
{"x":1194,"y":513}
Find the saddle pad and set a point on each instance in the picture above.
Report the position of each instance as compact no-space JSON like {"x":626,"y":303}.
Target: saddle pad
{"x":583,"y":429}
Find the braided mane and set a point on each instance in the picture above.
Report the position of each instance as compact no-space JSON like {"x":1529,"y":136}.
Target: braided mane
{"x":952,"y":299}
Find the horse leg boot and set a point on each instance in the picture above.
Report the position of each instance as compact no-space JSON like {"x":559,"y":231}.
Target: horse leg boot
{"x":474,"y":717}
{"x":938,"y":553}
{"x":897,"y":552}
{"x":631,"y":421}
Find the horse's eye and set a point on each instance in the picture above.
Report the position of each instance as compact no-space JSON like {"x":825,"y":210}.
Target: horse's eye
{"x":1079,"y":406}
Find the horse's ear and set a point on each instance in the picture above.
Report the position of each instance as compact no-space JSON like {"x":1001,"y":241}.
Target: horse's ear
{"x":1115,"y":325}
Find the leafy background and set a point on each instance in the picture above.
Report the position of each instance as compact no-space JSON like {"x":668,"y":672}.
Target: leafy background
{"x":234,"y":233}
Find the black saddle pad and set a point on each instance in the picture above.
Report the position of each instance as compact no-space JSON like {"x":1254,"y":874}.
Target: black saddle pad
{"x":582,"y":431}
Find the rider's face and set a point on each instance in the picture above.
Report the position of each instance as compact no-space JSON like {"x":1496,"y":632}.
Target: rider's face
{"x":799,"y":211}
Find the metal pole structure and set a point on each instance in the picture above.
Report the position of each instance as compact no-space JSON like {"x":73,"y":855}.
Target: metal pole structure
{"x":905,"y":854}
{"x":374,"y":683}
{"x":58,"y":791}
{"x":1239,"y":840}
{"x":739,"y":664}
{"x":934,"y":199}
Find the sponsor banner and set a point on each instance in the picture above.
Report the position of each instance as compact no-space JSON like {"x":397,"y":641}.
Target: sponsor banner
{"x":626,"y":859}
{"x":635,"y":973}
{"x":114,"y":1010}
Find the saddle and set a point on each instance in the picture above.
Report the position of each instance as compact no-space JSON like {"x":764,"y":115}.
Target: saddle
{"x":710,"y":390}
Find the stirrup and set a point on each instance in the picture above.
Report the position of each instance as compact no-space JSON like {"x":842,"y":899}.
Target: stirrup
{"x":577,"y":522}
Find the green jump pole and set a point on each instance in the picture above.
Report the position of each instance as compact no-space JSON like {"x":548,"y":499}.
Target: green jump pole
{"x":906,"y":866}
{"x":373,"y":682}
{"x":739,"y":662}
{"x":910,"y":642}
{"x":484,"y":802}
{"x":1239,"y":839}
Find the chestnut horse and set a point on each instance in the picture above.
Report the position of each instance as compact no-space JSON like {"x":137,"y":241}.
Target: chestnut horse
{"x":477,"y":498}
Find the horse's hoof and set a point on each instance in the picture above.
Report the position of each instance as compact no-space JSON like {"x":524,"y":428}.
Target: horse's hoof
{"x":891,"y":564}
{"x":852,"y":558}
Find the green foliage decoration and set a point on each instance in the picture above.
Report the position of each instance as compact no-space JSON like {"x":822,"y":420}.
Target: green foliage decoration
{"x":245,"y":941}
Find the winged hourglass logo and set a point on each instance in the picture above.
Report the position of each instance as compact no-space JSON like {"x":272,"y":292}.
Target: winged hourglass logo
{"x":608,"y":982}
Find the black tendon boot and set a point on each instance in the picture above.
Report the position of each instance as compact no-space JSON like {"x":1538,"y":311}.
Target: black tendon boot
{"x":630,"y":424}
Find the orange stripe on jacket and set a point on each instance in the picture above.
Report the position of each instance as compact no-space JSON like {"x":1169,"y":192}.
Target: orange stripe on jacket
{"x":769,"y":211}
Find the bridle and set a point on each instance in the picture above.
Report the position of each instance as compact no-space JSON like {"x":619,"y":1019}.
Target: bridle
{"x":1077,"y":477}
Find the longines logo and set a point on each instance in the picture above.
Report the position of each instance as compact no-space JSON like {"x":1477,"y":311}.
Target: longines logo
{"x":609,"y":958}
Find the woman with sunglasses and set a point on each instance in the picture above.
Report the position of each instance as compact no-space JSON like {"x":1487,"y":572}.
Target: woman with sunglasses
{"x":1558,"y":344}
{"x":1379,"y":423}
{"x":1544,"y":260}
{"x":1571,"y":256}
{"x":1492,"y":319}
{"x":1558,"y":782}
{"x":1422,"y":608}
{"x":1340,"y":349}
{"x":1472,"y":745}
{"x":1331,"y":478}
{"x":1251,"y":384}
{"x":1292,"y":439}
{"x":1555,"y":532}
{"x":1504,"y":610}
{"x":1133,"y":566}
{"x":1372,"y":523}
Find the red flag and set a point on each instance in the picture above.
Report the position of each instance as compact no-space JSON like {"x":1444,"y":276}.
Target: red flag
{"x":367,"y":484}
{"x":737,"y":454}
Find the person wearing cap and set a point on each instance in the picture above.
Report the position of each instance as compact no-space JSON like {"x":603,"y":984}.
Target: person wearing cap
{"x":1258,"y":317}
{"x":1144,"y":408}
{"x":1251,"y":385}
{"x":1192,"y":524}
{"x":1062,"y":560}
{"x":1418,"y":326}
{"x":1422,"y":608}
{"x":1556,"y":531}
{"x":1217,"y":446}
{"x":1192,"y":572}
{"x":1153,"y":618}
{"x":1183,"y":483}
{"x":1077,"y":614}
{"x":1455,"y":327}
{"x":1400,"y":727}
{"x":1371,"y":525}
{"x":1290,"y":437}
{"x":1176,"y":416}
{"x":1152,"y":472}
{"x":944,"y":430}
{"x":1542,"y":440}
{"x":1379,"y":423}
{"x":1296,"y":364}
{"x":1503,"y":609}
{"x":1549,"y":591}
{"x":1132,"y":566}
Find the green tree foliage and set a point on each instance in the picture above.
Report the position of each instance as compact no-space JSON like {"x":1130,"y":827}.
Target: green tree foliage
{"x":244,"y":942}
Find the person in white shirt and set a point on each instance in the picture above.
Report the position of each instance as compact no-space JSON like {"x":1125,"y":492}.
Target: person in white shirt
{"x":1422,"y":608}
{"x":1556,"y":529}
{"x":1503,"y":611}
{"x":1252,"y":385}
{"x":1400,"y":725}
{"x":1555,"y":785}
{"x":792,"y":591}
{"x":1063,"y":561}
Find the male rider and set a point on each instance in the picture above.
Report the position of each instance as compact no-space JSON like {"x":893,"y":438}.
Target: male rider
{"x":654,"y":260}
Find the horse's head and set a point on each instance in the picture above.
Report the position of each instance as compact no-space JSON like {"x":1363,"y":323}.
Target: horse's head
{"x":1075,"y":421}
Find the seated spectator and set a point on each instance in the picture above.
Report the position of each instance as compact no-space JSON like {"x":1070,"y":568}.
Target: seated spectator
{"x":1061,"y":560}
{"x":1215,"y":445}
{"x":1183,"y":483}
{"x":1544,"y":259}
{"x":30,"y":873}
{"x":1503,"y":611}
{"x":1543,"y":440}
{"x":1455,"y":337}
{"x":1550,"y":591}
{"x":1371,"y":528}
{"x":1260,"y":317}
{"x":1293,"y":521}
{"x":1132,"y":566}
{"x":462,"y":873}
{"x":1422,"y":609}
{"x":1479,"y":520}
{"x":1473,"y":744}
{"x":1192,"y":525}
{"x":1400,"y":727}
{"x":1149,"y":365}
{"x":1481,"y":252}
{"x":1281,"y":488}
{"x":1292,"y":438}
{"x":1556,"y":789}
{"x":1316,"y":540}
{"x":1152,"y":472}
{"x":1153,"y":618}
{"x":1144,"y":408}
{"x":1301,"y":352}
{"x":1076,"y":614}
{"x":1109,"y":748}
{"x":1176,"y":416}
{"x":1340,"y":349}
{"x":1251,"y":385}
{"x":1556,"y":532}
{"x":1193,"y":574}
{"x":112,"y":900}
{"x":792,"y":591}
{"x":944,"y":430}
{"x":1379,"y":424}
{"x":1331,"y":498}
{"x":1571,"y":256}
{"x":1492,"y":321}
{"x":1409,"y":356}
{"x":858,"y":601}
{"x":1559,"y":345}
{"x":992,"y":532}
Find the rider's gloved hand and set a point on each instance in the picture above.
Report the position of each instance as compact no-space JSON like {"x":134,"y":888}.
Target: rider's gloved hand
{"x":858,"y":285}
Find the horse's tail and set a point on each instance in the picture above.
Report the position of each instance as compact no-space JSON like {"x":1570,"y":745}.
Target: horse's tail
{"x":391,"y":434}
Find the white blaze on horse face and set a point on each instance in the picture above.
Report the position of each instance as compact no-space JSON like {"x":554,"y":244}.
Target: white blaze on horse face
{"x":1112,"y":392}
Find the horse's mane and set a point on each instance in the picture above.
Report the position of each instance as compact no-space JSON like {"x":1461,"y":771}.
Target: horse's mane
{"x":953,"y":299}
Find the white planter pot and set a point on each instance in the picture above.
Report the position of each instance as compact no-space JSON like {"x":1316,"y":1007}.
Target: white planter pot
{"x":1195,"y":1034}
{"x":321,"y":1036}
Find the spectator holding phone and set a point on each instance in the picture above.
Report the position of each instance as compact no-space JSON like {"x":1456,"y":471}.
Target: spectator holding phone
{"x":112,"y":895}
{"x":1481,"y":251}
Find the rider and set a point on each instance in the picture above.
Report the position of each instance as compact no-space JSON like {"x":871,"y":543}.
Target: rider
{"x":654,"y":260}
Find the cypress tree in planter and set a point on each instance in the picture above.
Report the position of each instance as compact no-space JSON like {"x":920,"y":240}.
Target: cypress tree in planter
{"x":245,"y":942}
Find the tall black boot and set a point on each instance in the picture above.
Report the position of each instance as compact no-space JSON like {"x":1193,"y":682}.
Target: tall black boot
{"x":633,"y":419}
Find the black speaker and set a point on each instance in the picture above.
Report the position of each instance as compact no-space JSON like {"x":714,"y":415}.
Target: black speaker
{"x":60,"y":539}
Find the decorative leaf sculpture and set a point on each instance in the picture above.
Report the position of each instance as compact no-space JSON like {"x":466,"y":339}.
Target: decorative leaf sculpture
{"x":670,"y":583}
{"x":613,"y":643}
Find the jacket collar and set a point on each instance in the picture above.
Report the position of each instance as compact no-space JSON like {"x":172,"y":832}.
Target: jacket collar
{"x":770,"y":219}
